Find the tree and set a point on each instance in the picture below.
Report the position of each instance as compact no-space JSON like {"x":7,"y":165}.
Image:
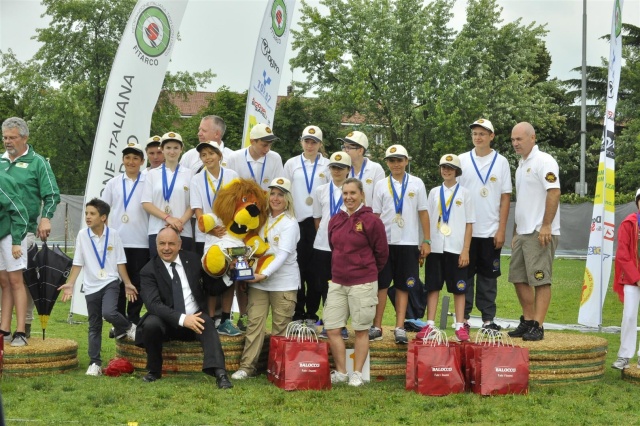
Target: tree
{"x":419,"y":82}
{"x":61,"y":89}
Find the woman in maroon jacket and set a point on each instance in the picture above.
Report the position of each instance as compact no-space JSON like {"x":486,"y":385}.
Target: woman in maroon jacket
{"x":625,"y":283}
{"x":359,"y":250}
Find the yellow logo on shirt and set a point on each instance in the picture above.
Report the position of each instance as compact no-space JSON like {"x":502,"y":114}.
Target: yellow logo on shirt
{"x":369,"y":181}
{"x":109,"y":247}
{"x":359,"y":227}
{"x":22,"y":165}
{"x":186,"y":188}
{"x":411,"y":194}
{"x":458,"y":202}
{"x":493,"y":179}
{"x":551,"y":177}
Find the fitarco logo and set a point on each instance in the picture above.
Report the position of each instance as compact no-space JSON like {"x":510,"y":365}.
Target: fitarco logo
{"x":153,"y":31}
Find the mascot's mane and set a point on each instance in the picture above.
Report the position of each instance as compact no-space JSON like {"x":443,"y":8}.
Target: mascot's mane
{"x":225,"y":205}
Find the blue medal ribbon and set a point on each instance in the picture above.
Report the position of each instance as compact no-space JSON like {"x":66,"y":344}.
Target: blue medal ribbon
{"x":264,"y":166}
{"x":168,"y":190}
{"x":124,"y":190}
{"x":399,"y":201}
{"x":445,"y":210}
{"x":313,"y":174}
{"x":353,"y":171}
{"x":206,"y":185}
{"x":333,"y":206}
{"x":95,"y":249}
{"x":484,"y":181}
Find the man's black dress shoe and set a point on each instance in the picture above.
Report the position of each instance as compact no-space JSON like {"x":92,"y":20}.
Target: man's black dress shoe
{"x":223,"y":382}
{"x":151,"y":377}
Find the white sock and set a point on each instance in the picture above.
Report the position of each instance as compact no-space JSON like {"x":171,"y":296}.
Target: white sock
{"x":431,"y":323}
{"x":459,"y":325}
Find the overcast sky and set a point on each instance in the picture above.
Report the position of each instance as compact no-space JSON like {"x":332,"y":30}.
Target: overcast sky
{"x":221,"y":34}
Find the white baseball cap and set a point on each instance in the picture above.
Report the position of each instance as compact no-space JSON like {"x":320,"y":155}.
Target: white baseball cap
{"x":340,"y":159}
{"x":451,"y":160}
{"x":281,"y":183}
{"x":212,"y":144}
{"x":396,"y":151}
{"x":171,"y":137}
{"x":357,"y":138}
{"x":133,"y":147}
{"x":312,"y":132}
{"x":484,"y":123}
{"x":262,"y":132}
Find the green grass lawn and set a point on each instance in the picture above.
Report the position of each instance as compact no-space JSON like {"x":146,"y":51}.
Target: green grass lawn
{"x":74,"y":398}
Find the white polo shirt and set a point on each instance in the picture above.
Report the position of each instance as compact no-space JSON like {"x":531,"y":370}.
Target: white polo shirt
{"x":415,"y":200}
{"x":133,"y":229}
{"x":198,"y":193}
{"x":240,"y":160}
{"x":85,"y":256}
{"x":178,"y":202}
{"x":294,"y":171}
{"x":370,"y":176}
{"x":284,"y":273}
{"x":534,"y":176}
{"x":462,"y":212}
{"x":498,"y":182}
{"x":322,"y":211}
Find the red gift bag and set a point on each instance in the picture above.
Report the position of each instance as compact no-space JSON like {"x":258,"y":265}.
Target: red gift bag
{"x":274,"y":362}
{"x":434,"y":366}
{"x":305,"y":365}
{"x":498,"y":369}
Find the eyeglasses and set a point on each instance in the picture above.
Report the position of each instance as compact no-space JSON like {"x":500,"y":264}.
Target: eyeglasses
{"x":348,"y":147}
{"x":11,"y":138}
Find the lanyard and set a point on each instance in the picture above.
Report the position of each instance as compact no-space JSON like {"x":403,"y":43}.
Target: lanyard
{"x":95,"y":249}
{"x":168,"y":190}
{"x":399,"y":201}
{"x":264,"y":166}
{"x":313,"y":174}
{"x":353,"y":171}
{"x":475,"y":166}
{"x":333,"y":205}
{"x":268,"y":228}
{"x":207,"y":182}
{"x":124,"y":190}
{"x":446,"y":211}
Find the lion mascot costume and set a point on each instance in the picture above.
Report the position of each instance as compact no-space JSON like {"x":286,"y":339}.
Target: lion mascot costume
{"x":241,"y":207}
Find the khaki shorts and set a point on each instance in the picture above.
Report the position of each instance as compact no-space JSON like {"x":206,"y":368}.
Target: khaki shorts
{"x":531,"y":263}
{"x":358,"y":301}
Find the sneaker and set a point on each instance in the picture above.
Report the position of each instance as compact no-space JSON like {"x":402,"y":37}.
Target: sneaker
{"x":6,"y":335}
{"x":131,"y":332}
{"x":425,"y":331}
{"x":356,"y":379}
{"x":467,"y":326}
{"x":338,"y":377}
{"x":27,"y":330}
{"x":375,"y":334}
{"x":535,"y":333}
{"x":400,"y":335}
{"x":242,"y":322}
{"x":522,"y":328}
{"x":323,"y":334}
{"x":344,"y":333}
{"x":19,"y":339}
{"x":462,"y":334}
{"x":310,"y":323}
{"x":227,"y":328}
{"x":112,"y":333}
{"x":320,"y":323}
{"x":94,"y":370}
{"x":491,"y":326}
{"x":621,"y":363}
{"x":414,"y":325}
{"x":216,"y":321}
{"x":240,"y":375}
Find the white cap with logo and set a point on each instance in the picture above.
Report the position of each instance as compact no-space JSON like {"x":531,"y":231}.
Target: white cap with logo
{"x":262,"y":132}
{"x":484,"y":123}
{"x":357,"y":138}
{"x":281,"y":183}
{"x":312,"y":132}
{"x":451,"y":160}
{"x":340,"y":159}
{"x":396,"y":151}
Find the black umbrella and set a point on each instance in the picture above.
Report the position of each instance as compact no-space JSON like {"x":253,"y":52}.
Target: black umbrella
{"x":52,"y":267}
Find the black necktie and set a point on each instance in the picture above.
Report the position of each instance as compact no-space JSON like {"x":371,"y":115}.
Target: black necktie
{"x":176,"y":286}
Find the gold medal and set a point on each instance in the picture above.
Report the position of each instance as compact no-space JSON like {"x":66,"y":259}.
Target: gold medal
{"x":125,"y":218}
{"x":400,"y":222}
{"x":167,"y":209}
{"x":484,"y":191}
{"x":309,"y":201}
{"x":396,"y":218}
{"x":102,"y":274}
{"x":445,"y":230}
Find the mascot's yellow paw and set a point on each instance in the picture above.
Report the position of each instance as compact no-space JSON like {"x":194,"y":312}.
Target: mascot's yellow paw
{"x":206,"y":223}
{"x":214,"y":263}
{"x":256,"y":240}
{"x":262,"y":263}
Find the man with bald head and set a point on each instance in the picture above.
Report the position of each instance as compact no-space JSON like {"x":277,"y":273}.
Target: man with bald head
{"x":171,"y":288}
{"x":537,"y":231}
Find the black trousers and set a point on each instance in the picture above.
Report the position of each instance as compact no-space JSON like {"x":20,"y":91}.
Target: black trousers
{"x":309,"y":297}
{"x":136,"y":259}
{"x":155,"y":332}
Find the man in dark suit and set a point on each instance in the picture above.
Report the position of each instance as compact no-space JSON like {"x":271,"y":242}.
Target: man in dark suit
{"x":170,"y":286}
